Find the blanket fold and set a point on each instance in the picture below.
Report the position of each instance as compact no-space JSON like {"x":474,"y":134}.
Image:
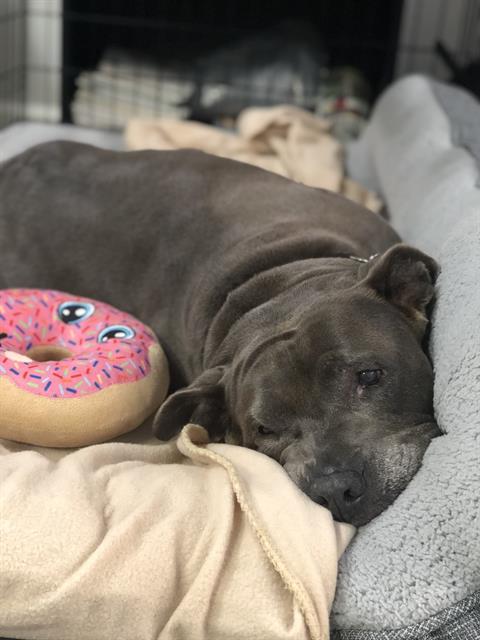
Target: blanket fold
{"x":285,"y":139}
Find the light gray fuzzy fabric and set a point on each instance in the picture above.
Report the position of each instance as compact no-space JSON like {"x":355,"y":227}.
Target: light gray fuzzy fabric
{"x":459,"y":622}
{"x":22,"y":135}
{"x":423,"y":554}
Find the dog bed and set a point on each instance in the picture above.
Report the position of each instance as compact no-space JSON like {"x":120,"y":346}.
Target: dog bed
{"x":414,"y":572}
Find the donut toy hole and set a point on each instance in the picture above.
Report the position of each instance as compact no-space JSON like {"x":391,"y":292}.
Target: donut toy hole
{"x":44,"y":353}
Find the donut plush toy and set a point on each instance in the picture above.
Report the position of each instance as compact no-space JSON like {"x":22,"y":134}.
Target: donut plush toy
{"x":74,"y":371}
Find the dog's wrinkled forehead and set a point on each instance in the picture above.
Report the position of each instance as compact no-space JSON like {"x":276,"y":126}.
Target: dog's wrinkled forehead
{"x":345,"y":329}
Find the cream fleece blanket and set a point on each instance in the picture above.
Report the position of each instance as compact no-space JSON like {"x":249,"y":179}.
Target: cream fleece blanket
{"x":284,"y":139}
{"x":176,"y":541}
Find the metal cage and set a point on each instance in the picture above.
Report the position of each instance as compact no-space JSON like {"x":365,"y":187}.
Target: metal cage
{"x":56,"y":57}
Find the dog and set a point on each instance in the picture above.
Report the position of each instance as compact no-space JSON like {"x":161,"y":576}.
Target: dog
{"x":293,"y":319}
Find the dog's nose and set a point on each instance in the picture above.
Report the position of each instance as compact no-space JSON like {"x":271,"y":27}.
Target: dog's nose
{"x":341,"y":492}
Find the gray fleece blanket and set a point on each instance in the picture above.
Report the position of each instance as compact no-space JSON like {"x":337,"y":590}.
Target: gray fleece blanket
{"x":421,"y":151}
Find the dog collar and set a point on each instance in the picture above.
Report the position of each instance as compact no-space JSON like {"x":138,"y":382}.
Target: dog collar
{"x":364,"y":260}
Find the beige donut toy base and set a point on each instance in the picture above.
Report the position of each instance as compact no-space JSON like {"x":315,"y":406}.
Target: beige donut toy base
{"x":76,"y":422}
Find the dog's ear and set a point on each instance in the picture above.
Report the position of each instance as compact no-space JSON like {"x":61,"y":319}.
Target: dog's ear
{"x":405,"y":277}
{"x":203,"y":403}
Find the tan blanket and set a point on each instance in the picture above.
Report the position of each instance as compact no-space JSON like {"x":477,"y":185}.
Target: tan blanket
{"x":176,"y":541}
{"x":284,"y":139}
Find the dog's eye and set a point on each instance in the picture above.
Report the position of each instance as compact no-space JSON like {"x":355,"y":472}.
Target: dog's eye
{"x":263,"y":431}
{"x":369,"y":377}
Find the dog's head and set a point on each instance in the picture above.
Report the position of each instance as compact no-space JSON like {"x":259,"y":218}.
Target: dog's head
{"x":341,"y":397}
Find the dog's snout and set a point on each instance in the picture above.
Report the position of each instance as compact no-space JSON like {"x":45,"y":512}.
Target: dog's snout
{"x":341,"y":492}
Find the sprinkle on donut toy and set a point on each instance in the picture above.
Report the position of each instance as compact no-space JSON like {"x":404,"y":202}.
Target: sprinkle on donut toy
{"x":74,"y":371}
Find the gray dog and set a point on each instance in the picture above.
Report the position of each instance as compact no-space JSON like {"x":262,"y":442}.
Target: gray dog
{"x":287,"y":344}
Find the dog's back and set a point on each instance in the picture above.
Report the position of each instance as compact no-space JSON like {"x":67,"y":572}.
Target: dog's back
{"x":143,"y":228}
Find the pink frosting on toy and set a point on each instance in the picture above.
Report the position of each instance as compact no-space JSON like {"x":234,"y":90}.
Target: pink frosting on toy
{"x":38,"y":318}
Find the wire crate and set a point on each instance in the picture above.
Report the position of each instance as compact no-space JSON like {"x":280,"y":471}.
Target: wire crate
{"x":102,"y":62}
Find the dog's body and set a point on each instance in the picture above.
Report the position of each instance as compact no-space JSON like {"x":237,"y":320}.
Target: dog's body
{"x":246,"y":279}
